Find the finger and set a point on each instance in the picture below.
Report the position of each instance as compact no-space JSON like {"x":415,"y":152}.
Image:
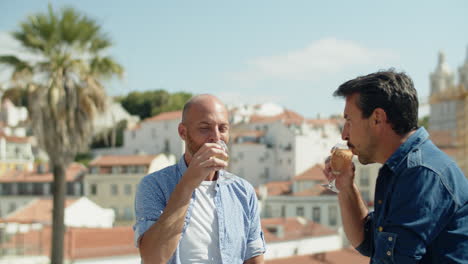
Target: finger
{"x":213,"y":162}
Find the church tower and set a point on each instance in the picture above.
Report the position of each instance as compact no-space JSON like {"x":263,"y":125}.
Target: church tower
{"x":442,"y":78}
{"x":463,"y":73}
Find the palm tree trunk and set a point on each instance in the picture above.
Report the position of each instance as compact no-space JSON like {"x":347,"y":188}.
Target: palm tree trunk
{"x":58,"y":226}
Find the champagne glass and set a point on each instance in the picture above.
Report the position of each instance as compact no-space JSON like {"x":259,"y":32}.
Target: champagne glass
{"x":340,"y":158}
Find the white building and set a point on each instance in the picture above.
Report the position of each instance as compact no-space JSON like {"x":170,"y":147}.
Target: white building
{"x":18,"y":188}
{"x":288,"y":237}
{"x":15,"y":153}
{"x":13,"y":117}
{"x":112,"y":181}
{"x":278,"y":147}
{"x":305,"y":197}
{"x":80,"y":212}
{"x":158,"y":134}
{"x":113,"y":114}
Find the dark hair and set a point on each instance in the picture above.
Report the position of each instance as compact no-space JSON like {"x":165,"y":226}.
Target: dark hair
{"x":392,"y":91}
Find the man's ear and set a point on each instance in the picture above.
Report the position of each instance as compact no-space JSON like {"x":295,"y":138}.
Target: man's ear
{"x":379,"y":116}
{"x":182,"y":131}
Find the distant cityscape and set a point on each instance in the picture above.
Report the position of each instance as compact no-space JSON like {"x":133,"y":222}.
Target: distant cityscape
{"x":280,"y":152}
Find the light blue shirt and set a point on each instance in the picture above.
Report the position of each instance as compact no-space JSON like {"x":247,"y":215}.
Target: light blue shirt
{"x":240,"y":232}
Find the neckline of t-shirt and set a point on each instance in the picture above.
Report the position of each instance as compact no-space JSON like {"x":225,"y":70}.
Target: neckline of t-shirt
{"x":208,"y":183}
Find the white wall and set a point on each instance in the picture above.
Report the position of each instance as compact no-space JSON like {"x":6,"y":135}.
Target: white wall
{"x":303,"y":246}
{"x":249,"y":161}
{"x":85,"y":213}
{"x":150,"y":138}
{"x":162,"y":161}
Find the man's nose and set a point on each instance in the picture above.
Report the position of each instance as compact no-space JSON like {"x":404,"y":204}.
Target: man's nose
{"x":344,"y":133}
{"x":214,"y":136}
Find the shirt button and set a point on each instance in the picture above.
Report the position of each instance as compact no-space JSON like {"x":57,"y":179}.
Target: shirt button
{"x":380,"y":229}
{"x":390,"y":238}
{"x":389,"y":253}
{"x":379,"y":201}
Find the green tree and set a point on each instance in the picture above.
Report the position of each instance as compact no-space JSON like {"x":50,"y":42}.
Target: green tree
{"x":424,"y":122}
{"x":64,"y":82}
{"x":150,"y":103}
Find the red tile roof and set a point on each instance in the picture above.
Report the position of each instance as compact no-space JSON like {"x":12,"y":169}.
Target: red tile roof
{"x":320,"y":122}
{"x":314,"y":173}
{"x":288,"y":117}
{"x":118,"y":160}
{"x":14,"y":139}
{"x":248,"y":133}
{"x":277,"y":188}
{"x":80,"y":243}
{"x":343,"y":256}
{"x":293,"y":228}
{"x":175,"y":115}
{"x":317,"y":190}
{"x":74,"y":171}
{"x":38,"y":210}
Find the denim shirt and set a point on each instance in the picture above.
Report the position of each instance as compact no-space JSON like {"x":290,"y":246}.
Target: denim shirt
{"x":240,"y":232}
{"x":421,"y":209}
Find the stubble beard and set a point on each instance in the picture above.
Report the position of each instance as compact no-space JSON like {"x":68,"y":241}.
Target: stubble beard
{"x":191,"y":145}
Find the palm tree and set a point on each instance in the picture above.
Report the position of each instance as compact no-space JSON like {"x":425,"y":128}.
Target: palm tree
{"x":63,"y":82}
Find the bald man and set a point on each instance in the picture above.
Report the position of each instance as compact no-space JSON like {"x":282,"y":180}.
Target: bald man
{"x":195,"y":211}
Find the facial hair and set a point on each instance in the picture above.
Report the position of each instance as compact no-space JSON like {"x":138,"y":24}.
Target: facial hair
{"x":192,"y":146}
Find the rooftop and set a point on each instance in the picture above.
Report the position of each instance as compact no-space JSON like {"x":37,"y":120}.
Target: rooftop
{"x":73,"y":171}
{"x":347,"y":255}
{"x":293,"y":228}
{"x":119,"y":160}
{"x":174,"y":115}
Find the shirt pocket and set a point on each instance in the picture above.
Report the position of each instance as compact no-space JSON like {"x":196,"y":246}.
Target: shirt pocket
{"x":384,"y":247}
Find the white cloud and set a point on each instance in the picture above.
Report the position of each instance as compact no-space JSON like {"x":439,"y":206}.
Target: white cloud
{"x":325,"y":56}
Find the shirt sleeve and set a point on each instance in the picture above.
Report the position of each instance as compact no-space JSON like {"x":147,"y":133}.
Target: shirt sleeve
{"x":149,"y":205}
{"x":420,"y":207}
{"x":255,"y":241}
{"x":367,"y":246}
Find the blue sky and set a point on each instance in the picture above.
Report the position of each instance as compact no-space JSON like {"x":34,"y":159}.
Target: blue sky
{"x":294,"y":53}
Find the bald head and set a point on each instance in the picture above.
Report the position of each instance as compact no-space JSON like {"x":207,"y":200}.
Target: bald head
{"x":202,"y":103}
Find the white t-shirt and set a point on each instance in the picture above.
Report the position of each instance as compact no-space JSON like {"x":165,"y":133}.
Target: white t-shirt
{"x":200,"y":242}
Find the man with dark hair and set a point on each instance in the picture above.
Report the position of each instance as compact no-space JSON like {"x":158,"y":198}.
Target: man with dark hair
{"x":421,"y":196}
{"x":195,"y":211}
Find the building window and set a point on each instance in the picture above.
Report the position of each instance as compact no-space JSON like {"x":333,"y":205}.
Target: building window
{"x":14,"y":188}
{"x":116,"y":212}
{"x":46,"y":188}
{"x":116,"y":169}
{"x":299,"y":211}
{"x":267,"y":173}
{"x":142,"y":169}
{"x":167,"y":148}
{"x":93,"y":189}
{"x":316,"y":214}
{"x":114,"y":189}
{"x":267,"y":211}
{"x":283,"y":211}
{"x":12,"y":208}
{"x":128,"y":215}
{"x":128,"y":189}
{"x":29,"y":188}
{"x":77,"y":188}
{"x":94,"y":170}
{"x":332,"y":215}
